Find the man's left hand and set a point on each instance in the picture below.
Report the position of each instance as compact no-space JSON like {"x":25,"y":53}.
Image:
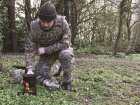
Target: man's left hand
{"x":41,"y":50}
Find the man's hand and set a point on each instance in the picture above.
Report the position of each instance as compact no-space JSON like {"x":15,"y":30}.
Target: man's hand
{"x":30,"y":71}
{"x":41,"y":50}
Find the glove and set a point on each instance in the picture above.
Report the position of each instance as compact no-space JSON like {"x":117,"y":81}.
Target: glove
{"x":41,"y":50}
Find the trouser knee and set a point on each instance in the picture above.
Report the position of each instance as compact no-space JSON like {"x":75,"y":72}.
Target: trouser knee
{"x":42,"y":72}
{"x":65,"y":58}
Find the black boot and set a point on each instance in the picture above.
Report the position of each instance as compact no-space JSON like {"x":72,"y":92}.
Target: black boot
{"x":67,"y":86}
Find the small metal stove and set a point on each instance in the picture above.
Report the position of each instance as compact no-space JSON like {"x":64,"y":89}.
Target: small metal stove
{"x":29,"y":84}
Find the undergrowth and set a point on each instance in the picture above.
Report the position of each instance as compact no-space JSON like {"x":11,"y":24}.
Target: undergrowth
{"x":100,"y":80}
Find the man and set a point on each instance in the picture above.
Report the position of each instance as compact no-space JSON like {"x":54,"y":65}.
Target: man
{"x":50,"y":38}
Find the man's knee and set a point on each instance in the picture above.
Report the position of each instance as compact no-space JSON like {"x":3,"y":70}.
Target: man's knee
{"x":42,"y":71}
{"x":66,"y":55}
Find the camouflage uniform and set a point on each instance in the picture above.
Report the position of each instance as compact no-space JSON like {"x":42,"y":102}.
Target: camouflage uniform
{"x":57,"y":42}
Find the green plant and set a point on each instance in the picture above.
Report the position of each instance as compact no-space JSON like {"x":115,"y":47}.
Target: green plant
{"x":102,"y":81}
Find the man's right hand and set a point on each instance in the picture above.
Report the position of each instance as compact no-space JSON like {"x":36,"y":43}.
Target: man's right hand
{"x":30,"y":71}
{"x":41,"y":50}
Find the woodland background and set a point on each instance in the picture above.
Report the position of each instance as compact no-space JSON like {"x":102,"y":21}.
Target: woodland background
{"x":98,"y":26}
{"x":106,"y":41}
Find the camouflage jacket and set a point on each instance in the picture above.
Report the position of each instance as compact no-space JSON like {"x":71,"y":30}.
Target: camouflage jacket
{"x":54,"y":40}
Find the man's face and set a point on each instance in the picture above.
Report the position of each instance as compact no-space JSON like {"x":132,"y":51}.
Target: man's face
{"x":46,"y":25}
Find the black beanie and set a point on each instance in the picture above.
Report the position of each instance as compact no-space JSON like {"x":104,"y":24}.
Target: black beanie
{"x":47,"y":12}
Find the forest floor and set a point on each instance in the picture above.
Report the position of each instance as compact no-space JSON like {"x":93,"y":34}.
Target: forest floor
{"x":97,"y":80}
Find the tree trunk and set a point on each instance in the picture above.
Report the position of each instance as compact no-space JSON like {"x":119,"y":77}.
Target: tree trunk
{"x":66,"y":9}
{"x":0,"y":51}
{"x":128,"y":20}
{"x":119,"y":27}
{"x":73,"y":20}
{"x":12,"y":25}
{"x":59,"y":7}
{"x":27,"y":8}
{"x":44,"y":1}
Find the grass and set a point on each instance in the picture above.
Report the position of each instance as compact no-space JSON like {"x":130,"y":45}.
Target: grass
{"x":99,"y":80}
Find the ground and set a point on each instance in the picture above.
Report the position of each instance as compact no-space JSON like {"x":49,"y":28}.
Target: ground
{"x":97,"y":80}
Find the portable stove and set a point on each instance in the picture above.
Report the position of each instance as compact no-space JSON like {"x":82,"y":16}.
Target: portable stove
{"x":28,"y":82}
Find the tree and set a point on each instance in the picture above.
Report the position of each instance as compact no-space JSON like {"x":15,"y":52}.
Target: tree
{"x":121,"y":15}
{"x":59,"y":7}
{"x":132,"y":36}
{"x":0,"y":51}
{"x":44,"y":1}
{"x":12,"y":25}
{"x":1,"y":44}
{"x":66,"y":9}
{"x":27,"y":8}
{"x":73,"y":17}
{"x":135,"y":46}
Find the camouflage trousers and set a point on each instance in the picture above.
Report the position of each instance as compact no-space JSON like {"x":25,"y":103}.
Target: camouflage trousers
{"x":46,"y":61}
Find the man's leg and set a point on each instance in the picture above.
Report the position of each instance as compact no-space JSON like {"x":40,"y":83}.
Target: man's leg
{"x":43,"y":70}
{"x":56,"y":70}
{"x":65,"y":58}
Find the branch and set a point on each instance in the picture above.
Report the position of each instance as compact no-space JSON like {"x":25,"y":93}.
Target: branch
{"x":135,"y":23}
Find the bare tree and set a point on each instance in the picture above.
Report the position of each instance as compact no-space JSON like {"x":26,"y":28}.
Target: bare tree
{"x":135,"y":41}
{"x":121,"y":8}
{"x":128,"y":18}
{"x":133,"y":30}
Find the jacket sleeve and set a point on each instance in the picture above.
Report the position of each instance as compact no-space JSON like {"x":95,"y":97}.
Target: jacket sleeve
{"x":64,"y":43}
{"x":30,"y":50}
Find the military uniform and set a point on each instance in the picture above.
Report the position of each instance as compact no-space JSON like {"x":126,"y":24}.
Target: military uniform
{"x":57,"y":42}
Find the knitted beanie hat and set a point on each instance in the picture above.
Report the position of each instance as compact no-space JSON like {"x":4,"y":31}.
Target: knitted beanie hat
{"x":47,"y":12}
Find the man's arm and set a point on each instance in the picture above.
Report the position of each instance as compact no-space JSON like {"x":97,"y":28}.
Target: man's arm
{"x":30,"y":51}
{"x":64,"y":43}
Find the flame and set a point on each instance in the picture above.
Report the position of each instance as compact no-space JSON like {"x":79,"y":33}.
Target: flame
{"x":27,"y":86}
